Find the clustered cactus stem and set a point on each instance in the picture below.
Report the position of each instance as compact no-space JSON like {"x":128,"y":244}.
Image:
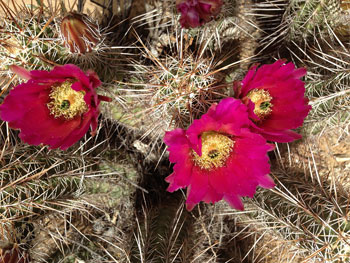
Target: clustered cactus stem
{"x":174,"y":88}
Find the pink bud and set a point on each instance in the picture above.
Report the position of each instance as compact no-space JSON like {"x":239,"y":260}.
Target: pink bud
{"x":195,"y":13}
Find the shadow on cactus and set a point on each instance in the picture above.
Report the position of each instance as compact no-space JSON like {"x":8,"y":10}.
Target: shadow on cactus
{"x":52,"y":201}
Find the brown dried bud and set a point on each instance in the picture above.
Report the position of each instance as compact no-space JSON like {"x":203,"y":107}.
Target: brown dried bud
{"x":79,"y":33}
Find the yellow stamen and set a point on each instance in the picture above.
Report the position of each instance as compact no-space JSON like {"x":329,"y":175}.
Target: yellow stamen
{"x":262,"y":100}
{"x":216,"y":149}
{"x":66,"y":102}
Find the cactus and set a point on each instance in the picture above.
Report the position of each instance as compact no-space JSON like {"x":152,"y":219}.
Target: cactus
{"x":105,"y":199}
{"x":311,"y":34}
{"x":49,"y":200}
{"x":172,"y":90}
{"x":305,"y":218}
{"x":309,"y":213}
{"x":41,"y":40}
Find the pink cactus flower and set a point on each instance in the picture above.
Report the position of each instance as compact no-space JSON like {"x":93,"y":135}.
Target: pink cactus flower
{"x":218,"y":157}
{"x":54,"y":108}
{"x":195,"y":13}
{"x":275,"y":97}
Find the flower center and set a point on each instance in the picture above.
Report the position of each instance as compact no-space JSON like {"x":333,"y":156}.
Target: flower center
{"x":262,"y":101}
{"x":216,"y":149}
{"x":66,"y":102}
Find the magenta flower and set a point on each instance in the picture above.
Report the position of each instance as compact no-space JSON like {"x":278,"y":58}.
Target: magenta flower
{"x":195,"y":13}
{"x":218,"y":157}
{"x":54,"y":108}
{"x":275,"y":97}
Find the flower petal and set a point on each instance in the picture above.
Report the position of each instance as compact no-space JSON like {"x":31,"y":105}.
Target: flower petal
{"x":181,"y":177}
{"x":234,"y":201}
{"x":23,"y":73}
{"x":198,"y":187}
{"x":244,"y":168}
{"x":70,"y":71}
{"x":289,"y":106}
{"x":212,"y":196}
{"x":76,"y":134}
{"x":26,"y":107}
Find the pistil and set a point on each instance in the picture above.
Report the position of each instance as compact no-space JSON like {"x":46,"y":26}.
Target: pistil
{"x":216,"y":149}
{"x":262,"y":101}
{"x":66,"y":102}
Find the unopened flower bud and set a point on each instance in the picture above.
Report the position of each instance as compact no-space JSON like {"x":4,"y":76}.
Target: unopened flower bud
{"x":80,"y":35}
{"x":195,"y":13}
